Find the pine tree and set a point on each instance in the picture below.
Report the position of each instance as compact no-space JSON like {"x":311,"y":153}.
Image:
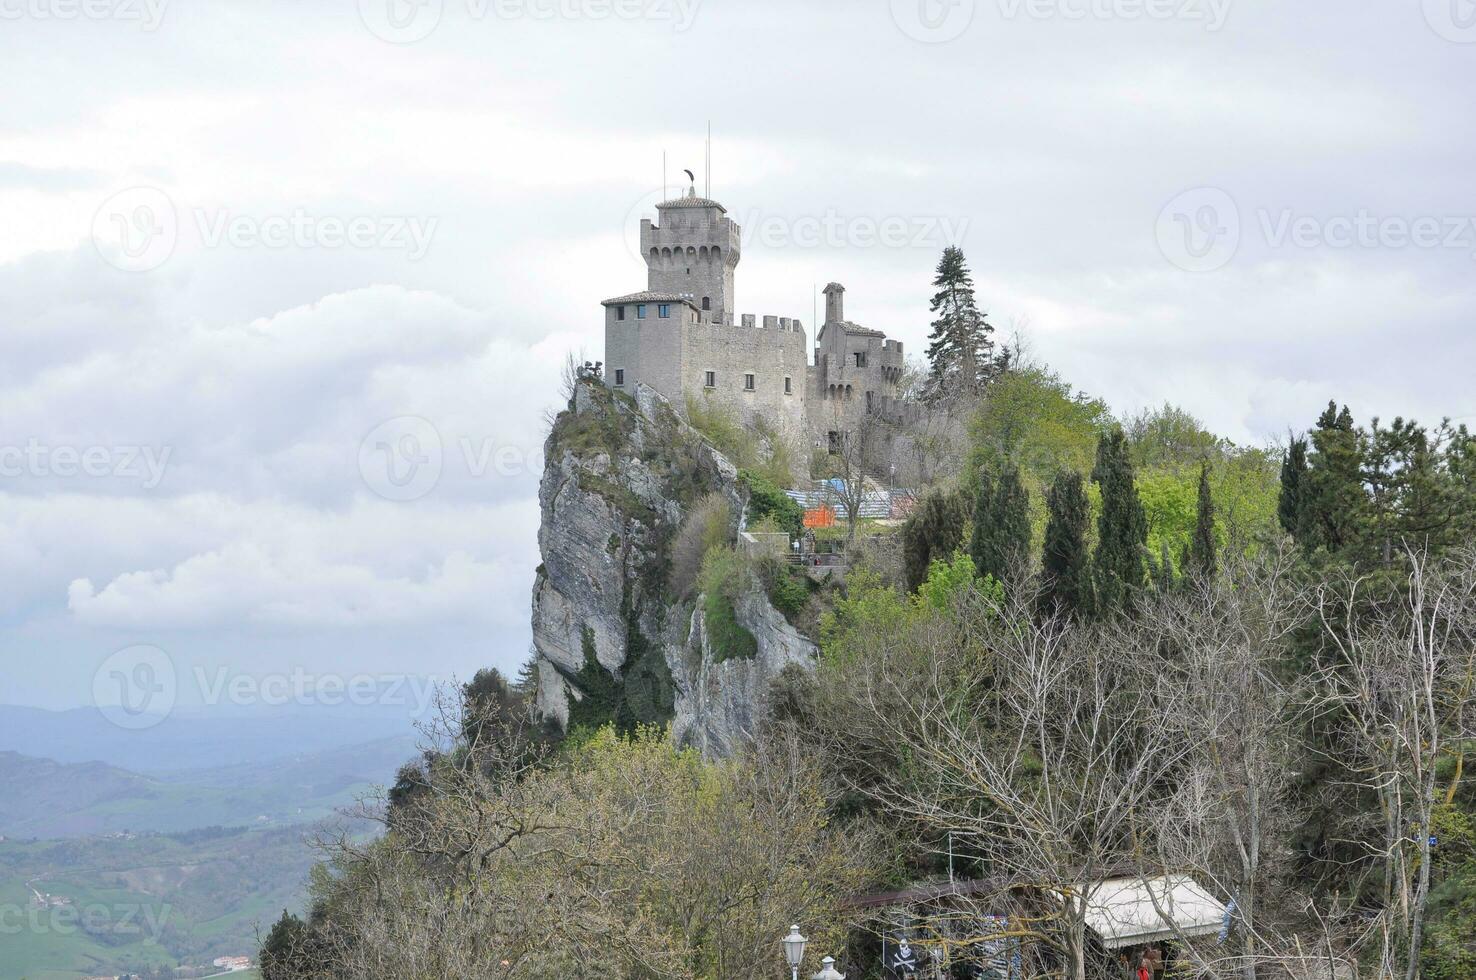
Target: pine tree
{"x":1333,"y":502}
{"x":1000,"y":545}
{"x":1293,"y":482}
{"x":1202,"y":550}
{"x":960,"y":348}
{"x":1122,"y":529}
{"x":1066,"y":575}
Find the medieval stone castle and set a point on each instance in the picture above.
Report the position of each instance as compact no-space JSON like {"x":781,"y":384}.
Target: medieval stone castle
{"x":681,"y":337}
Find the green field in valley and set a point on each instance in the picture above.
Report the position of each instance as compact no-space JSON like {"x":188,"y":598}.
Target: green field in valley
{"x":136,"y":904}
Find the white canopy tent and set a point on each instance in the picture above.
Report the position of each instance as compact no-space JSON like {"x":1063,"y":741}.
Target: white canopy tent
{"x":1124,"y":912}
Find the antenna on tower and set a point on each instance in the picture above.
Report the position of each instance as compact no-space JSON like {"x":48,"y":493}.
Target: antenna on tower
{"x":663,"y":175}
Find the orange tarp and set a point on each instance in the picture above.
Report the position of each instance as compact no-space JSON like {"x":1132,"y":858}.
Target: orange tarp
{"x":820,"y":517}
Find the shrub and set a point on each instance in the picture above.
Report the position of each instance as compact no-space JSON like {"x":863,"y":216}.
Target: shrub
{"x":767,"y":500}
{"x":725,"y":577}
{"x":706,"y":527}
{"x":789,"y":590}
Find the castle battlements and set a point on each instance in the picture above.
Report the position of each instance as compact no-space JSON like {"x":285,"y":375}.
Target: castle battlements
{"x":680,"y":337}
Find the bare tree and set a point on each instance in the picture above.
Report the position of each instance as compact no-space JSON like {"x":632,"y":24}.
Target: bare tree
{"x":1400,"y":686}
{"x":857,"y":453}
{"x":1035,"y":745}
{"x":1219,"y":650}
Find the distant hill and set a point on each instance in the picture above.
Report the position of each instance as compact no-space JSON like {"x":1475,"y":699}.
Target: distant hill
{"x":48,"y":799}
{"x":150,"y":900}
{"x":201,"y":739}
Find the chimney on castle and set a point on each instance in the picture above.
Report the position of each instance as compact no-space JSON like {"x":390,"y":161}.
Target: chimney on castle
{"x":835,"y":303}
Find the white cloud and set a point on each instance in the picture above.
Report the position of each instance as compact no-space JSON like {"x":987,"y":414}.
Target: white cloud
{"x":527,"y":141}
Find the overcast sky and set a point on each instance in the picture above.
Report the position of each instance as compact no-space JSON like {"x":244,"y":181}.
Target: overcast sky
{"x":253,"y":253}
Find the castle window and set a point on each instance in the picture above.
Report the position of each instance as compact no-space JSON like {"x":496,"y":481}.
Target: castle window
{"x":860,"y":358}
{"x":711,"y":380}
{"x":620,"y":313}
{"x":707,"y":302}
{"x":788,"y":387}
{"x":641,"y":312}
{"x":663,"y":310}
{"x":748,"y":382}
{"x":619,"y":377}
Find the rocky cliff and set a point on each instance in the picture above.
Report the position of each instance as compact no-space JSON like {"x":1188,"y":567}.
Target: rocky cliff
{"x":613,"y":643}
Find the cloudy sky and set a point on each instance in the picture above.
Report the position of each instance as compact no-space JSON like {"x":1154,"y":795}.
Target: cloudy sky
{"x":286,"y":285}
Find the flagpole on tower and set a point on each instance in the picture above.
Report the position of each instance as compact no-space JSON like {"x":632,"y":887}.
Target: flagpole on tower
{"x":707,"y":190}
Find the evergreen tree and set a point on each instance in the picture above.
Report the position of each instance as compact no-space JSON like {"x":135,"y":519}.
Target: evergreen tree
{"x":1000,"y":545}
{"x":960,"y":348}
{"x":1122,"y":529}
{"x":1202,"y":560}
{"x":1066,"y":575}
{"x":935,"y":530}
{"x":1333,"y":504}
{"x":1293,"y":476}
{"x":284,"y":954}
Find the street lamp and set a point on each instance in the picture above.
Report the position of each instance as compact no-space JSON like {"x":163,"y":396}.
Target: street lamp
{"x":794,"y":951}
{"x":827,"y":970}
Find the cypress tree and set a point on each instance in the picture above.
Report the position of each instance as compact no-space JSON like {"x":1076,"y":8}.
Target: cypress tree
{"x":1122,"y":529}
{"x":1293,"y":483}
{"x":1001,"y":542}
{"x":979,"y":544}
{"x":1202,"y":549}
{"x":1066,"y":587}
{"x":960,"y":348}
{"x":935,"y":530}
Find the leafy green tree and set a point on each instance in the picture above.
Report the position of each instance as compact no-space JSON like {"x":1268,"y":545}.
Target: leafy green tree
{"x":935,"y":530}
{"x":1066,"y":587}
{"x":1202,"y":548}
{"x":1000,"y":545}
{"x":1119,"y":566}
{"x":1293,"y":481}
{"x":1032,"y":418}
{"x":1170,"y":437}
{"x":960,"y":348}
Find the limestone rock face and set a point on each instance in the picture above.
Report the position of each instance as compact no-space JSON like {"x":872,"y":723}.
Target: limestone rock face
{"x":612,"y":643}
{"x":722,"y":702}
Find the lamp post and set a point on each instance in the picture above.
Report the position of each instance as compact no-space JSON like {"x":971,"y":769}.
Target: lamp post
{"x":794,"y":951}
{"x":827,"y":970}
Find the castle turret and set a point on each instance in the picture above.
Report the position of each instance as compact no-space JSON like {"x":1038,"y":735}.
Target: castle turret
{"x":693,"y":252}
{"x":835,"y":303}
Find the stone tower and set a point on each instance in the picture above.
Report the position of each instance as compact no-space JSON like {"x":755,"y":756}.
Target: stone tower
{"x":693,"y":252}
